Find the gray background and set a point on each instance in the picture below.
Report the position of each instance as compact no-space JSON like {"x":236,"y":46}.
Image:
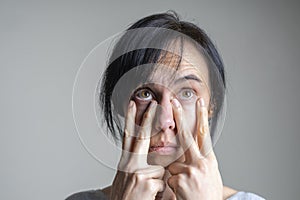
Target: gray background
{"x":44,"y":42}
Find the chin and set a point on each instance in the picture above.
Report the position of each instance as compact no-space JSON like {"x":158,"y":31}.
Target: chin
{"x":156,"y":158}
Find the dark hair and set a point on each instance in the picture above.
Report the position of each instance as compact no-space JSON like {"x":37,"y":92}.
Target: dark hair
{"x":123,"y":59}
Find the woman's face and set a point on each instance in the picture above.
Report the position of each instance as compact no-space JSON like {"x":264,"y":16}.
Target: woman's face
{"x":189,"y":83}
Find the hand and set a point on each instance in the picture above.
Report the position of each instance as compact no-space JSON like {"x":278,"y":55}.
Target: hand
{"x":198,"y":177}
{"x":136,"y":179}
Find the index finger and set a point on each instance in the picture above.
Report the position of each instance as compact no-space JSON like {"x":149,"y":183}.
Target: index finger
{"x":142,"y":143}
{"x":185,"y":136}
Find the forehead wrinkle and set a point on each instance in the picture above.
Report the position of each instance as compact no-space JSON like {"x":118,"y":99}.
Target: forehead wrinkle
{"x":167,"y":76}
{"x":197,"y":66}
{"x":170,"y":66}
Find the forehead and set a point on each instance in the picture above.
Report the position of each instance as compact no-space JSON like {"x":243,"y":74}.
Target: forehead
{"x":192,"y":63}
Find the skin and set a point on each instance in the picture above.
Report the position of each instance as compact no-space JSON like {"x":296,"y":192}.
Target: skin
{"x":171,"y":156}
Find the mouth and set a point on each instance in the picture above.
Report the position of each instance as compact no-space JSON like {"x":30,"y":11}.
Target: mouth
{"x":164,"y":149}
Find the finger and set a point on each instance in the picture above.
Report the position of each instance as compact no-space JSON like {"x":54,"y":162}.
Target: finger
{"x":156,"y":185}
{"x":142,"y":142}
{"x":203,"y":133}
{"x":129,"y":127}
{"x":173,"y":182}
{"x":177,"y":168}
{"x":177,"y":182}
{"x":185,"y":136}
{"x":152,"y":171}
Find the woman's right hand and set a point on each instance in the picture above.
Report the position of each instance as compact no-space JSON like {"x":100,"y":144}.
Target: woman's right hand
{"x":135,"y":179}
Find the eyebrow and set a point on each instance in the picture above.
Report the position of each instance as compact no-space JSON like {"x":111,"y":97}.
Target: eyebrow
{"x":188,"y":77}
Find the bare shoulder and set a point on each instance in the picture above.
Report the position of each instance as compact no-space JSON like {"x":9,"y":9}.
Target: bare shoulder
{"x":228,"y":192}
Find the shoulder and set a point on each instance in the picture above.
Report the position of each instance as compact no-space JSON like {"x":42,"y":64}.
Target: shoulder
{"x":88,"y":195}
{"x":245,"y":196}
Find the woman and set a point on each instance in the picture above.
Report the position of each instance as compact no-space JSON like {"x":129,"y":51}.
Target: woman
{"x":166,"y":79}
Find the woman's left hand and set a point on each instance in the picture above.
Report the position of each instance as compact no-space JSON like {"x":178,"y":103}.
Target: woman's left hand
{"x":198,"y":177}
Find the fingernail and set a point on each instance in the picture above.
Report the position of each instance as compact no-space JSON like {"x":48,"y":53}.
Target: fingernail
{"x":176,"y":102}
{"x":131,"y":103}
{"x":153,"y":103}
{"x":202,"y":104}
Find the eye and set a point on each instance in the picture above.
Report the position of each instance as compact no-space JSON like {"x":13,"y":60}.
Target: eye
{"x":186,"y":94}
{"x":144,"y":95}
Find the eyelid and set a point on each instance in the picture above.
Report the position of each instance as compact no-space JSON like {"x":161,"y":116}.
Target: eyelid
{"x":187,"y":88}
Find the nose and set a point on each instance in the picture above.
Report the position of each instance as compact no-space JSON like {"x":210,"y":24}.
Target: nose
{"x":164,"y":115}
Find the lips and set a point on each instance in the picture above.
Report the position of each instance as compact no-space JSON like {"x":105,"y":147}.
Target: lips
{"x":164,"y":149}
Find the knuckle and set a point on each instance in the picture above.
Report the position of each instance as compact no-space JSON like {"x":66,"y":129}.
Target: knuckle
{"x":152,"y":187}
{"x":203,"y":166}
{"x":191,"y":171}
{"x":205,"y":114}
{"x":139,"y":177}
{"x":204,"y":129}
{"x":180,"y":178}
{"x":180,"y":184}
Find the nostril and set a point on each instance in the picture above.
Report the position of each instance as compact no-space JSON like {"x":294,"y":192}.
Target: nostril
{"x":172,"y":124}
{"x":164,"y":124}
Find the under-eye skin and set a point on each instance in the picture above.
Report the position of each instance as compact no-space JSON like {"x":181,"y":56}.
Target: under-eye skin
{"x":143,"y":94}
